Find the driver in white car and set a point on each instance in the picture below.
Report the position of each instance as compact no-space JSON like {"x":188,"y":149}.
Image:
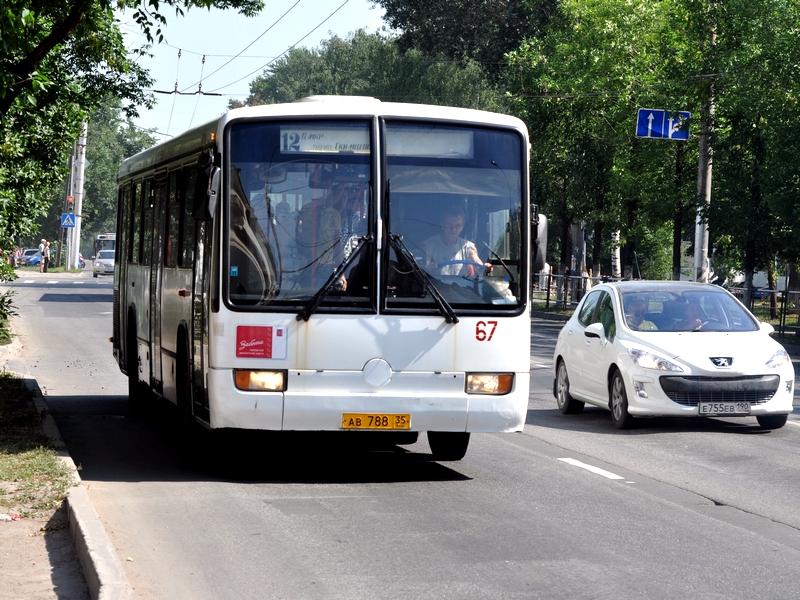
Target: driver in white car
{"x":448,"y":254}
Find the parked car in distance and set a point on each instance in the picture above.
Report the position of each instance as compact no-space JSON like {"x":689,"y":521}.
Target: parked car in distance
{"x":670,"y":348}
{"x":103,"y":263}
{"x":30,"y":257}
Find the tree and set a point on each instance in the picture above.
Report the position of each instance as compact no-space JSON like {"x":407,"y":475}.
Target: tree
{"x":578,"y":87}
{"x":78,"y":30}
{"x":468,"y":30}
{"x":111,"y":138}
{"x":370,"y":64}
{"x":58,"y":61}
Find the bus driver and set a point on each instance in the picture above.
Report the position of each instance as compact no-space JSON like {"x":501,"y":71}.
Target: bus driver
{"x":447,"y":246}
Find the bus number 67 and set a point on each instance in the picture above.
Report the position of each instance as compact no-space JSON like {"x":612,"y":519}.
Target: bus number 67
{"x":484,"y":330}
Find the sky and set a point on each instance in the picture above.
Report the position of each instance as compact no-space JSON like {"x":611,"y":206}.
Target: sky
{"x":220,"y":36}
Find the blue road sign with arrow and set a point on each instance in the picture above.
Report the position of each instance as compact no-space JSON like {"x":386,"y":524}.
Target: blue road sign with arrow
{"x":67,"y":220}
{"x":656,"y":123}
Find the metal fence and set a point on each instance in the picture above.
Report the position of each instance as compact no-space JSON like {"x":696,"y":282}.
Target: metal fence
{"x":562,"y":291}
{"x":786,"y":308}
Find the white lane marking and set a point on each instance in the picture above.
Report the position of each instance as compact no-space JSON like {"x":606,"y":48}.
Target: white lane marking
{"x":540,"y":365}
{"x":794,"y":423}
{"x":595,"y":470}
{"x":78,"y":282}
{"x":52,"y":281}
{"x":28,"y":281}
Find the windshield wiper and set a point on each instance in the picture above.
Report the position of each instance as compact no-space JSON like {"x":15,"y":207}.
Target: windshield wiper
{"x":311,"y":307}
{"x":405,"y":256}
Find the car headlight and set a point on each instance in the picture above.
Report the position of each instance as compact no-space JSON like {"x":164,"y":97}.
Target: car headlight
{"x":647,"y":360}
{"x":779,"y":359}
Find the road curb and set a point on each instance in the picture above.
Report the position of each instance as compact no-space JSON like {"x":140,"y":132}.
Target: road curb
{"x":102,"y":568}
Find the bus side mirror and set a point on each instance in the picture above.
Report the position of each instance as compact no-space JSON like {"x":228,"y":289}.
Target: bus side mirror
{"x":207,"y":206}
{"x":539,"y":247}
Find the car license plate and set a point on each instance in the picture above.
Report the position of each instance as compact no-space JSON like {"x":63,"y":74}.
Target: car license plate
{"x":375,"y":421}
{"x":724,"y":408}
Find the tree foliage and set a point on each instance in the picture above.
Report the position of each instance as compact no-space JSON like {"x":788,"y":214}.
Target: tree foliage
{"x":59,"y":59}
{"x":468,"y":30}
{"x":579,"y":87}
{"x":370,"y":64}
{"x":111,"y":138}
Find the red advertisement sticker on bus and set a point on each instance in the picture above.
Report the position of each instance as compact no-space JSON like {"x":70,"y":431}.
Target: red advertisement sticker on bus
{"x":258,"y":341}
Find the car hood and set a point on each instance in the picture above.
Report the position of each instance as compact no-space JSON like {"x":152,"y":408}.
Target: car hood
{"x":748,"y":351}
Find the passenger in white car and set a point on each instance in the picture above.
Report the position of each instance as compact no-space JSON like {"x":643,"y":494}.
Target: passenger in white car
{"x":634,"y":314}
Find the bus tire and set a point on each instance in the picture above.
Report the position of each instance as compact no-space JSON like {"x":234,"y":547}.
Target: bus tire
{"x":184,"y":405}
{"x":137,"y":391}
{"x":448,"y":445}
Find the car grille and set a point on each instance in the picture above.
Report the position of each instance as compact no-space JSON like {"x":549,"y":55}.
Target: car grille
{"x":756,"y":389}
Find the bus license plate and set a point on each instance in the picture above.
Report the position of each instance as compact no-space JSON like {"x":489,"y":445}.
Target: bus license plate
{"x":375,"y":421}
{"x":724,"y":408}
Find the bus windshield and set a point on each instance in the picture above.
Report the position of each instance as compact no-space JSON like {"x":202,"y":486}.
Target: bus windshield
{"x":298,"y":206}
{"x":456,"y":202}
{"x":301,"y":216}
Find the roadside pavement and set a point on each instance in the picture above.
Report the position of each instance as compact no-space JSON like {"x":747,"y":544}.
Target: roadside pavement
{"x":68,"y":554}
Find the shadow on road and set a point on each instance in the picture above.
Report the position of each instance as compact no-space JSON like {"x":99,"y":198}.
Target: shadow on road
{"x":108,"y":444}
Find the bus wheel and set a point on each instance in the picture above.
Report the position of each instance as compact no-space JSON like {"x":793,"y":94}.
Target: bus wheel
{"x":137,"y":391}
{"x":184,"y":390}
{"x":448,"y":445}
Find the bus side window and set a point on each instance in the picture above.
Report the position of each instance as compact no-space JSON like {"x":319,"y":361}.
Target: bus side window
{"x":173,"y":216}
{"x":190,"y":193}
{"x":136,"y":225}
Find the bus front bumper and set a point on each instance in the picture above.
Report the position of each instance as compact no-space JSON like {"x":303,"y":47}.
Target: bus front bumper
{"x":319,"y":400}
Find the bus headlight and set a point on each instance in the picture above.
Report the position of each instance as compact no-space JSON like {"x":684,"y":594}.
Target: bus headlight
{"x":489,"y":383}
{"x":260,"y":381}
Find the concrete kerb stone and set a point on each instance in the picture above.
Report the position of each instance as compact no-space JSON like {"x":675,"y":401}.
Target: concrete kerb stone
{"x":101,"y":567}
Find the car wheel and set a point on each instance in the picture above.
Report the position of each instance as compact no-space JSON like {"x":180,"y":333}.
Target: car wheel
{"x":448,"y":445}
{"x":618,"y":403}
{"x":772,"y":421}
{"x":566,"y":403}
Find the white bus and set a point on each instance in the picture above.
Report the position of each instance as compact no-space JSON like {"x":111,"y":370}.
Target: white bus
{"x":103,"y":241}
{"x":276,"y":272}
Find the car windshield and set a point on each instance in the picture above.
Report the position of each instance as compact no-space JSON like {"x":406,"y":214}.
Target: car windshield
{"x":685,"y":309}
{"x":107,"y":254}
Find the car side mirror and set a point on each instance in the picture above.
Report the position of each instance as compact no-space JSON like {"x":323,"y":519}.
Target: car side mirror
{"x":595,"y":330}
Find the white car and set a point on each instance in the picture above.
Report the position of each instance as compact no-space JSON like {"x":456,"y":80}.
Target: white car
{"x":103,"y":263}
{"x":669,"y":348}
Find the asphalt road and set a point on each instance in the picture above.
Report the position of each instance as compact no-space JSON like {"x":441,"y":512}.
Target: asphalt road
{"x":570,"y":508}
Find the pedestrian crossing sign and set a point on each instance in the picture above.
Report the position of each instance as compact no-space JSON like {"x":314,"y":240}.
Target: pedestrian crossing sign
{"x":67,"y":220}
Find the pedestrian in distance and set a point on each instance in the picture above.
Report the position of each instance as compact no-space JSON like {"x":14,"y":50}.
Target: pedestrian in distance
{"x":46,"y":259}
{"x":41,"y":255}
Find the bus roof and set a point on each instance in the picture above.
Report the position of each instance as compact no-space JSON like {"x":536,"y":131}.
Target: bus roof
{"x":204,"y":136}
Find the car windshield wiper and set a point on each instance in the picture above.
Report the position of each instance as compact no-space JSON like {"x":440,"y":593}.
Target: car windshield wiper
{"x":405,"y":256}
{"x":311,"y":307}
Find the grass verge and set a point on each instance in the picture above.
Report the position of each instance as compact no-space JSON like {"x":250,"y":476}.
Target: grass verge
{"x":33,"y":479}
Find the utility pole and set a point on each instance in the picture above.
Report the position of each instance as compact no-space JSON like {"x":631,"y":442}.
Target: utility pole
{"x":75,"y":233}
{"x":701,"y":262}
{"x":67,"y":194}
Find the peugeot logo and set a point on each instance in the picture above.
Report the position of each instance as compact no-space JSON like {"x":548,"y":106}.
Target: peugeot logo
{"x":722,"y":361}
